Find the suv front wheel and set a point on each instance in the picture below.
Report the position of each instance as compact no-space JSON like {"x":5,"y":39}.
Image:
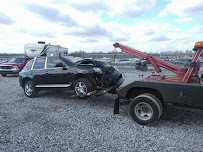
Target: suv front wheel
{"x":29,"y":89}
{"x":82,"y":87}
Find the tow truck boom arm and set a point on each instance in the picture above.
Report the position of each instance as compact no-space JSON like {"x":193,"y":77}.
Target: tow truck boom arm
{"x":183,"y":73}
{"x":156,"y":62}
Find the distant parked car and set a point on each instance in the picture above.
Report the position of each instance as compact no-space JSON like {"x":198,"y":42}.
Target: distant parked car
{"x":107,"y":60}
{"x":126,"y":61}
{"x":4,"y":61}
{"x":14,"y":66}
{"x":122,"y":61}
{"x":141,"y":65}
{"x":181,"y":61}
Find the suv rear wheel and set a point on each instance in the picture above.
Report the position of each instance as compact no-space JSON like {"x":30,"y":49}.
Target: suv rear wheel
{"x":29,"y":89}
{"x":82,"y":87}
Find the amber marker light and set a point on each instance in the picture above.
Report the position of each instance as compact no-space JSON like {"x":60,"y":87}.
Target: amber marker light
{"x":199,"y":44}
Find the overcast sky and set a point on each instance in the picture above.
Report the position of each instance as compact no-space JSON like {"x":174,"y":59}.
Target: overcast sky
{"x":94,"y":25}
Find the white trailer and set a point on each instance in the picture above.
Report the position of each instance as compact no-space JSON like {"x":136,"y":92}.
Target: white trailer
{"x":42,"y":49}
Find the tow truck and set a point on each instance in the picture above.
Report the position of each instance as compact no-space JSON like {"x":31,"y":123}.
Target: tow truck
{"x":148,"y":96}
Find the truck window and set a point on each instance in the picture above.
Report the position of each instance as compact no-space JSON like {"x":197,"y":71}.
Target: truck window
{"x":18,"y":60}
{"x":39,"y":63}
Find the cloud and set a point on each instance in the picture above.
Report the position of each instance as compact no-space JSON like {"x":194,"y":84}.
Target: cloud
{"x":197,"y":28}
{"x":129,"y":8}
{"x":91,"y":40}
{"x":42,"y":34}
{"x":4,"y":19}
{"x":92,"y":31}
{"x":178,"y":36}
{"x":186,"y":19}
{"x":159,"y":38}
{"x":90,"y":5}
{"x":114,"y":8}
{"x":98,"y":32}
{"x":148,"y":32}
{"x":51,"y":14}
{"x":183,"y":8}
{"x":95,"y":24}
{"x":119,"y":39}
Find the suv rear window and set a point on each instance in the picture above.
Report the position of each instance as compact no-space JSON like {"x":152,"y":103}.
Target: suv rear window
{"x":39,"y":63}
{"x":28,"y":65}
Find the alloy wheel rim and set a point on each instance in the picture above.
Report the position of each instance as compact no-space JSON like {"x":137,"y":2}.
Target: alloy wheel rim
{"x":28,"y":89}
{"x":80,"y":88}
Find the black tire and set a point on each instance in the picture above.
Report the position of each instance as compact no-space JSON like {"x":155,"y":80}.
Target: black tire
{"x":145,"y":109}
{"x":3,"y":75}
{"x":82,"y":86}
{"x":29,"y":89}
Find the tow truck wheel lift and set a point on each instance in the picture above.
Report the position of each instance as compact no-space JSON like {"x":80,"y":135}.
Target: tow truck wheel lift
{"x":146,"y":97}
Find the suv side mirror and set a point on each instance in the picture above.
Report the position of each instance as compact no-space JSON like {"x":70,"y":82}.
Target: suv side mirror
{"x":58,"y":65}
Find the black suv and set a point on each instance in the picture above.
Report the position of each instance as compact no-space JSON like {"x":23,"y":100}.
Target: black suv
{"x":85,"y":77}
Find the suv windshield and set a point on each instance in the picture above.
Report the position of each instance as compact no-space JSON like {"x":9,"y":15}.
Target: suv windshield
{"x":18,"y":60}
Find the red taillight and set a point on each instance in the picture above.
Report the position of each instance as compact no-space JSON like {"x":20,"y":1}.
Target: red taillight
{"x":115,"y":92}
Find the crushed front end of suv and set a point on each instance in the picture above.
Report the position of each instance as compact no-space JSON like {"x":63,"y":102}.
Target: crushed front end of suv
{"x":14,"y":66}
{"x":84,"y":76}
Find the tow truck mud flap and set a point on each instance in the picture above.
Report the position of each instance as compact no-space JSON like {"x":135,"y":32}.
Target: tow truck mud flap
{"x":116,"y":106}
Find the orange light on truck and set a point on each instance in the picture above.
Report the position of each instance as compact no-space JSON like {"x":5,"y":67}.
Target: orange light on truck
{"x":199,"y":44}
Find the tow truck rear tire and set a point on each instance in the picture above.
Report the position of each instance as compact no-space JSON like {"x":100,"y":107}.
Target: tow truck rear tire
{"x":3,"y":75}
{"x":82,"y":86}
{"x":145,"y":109}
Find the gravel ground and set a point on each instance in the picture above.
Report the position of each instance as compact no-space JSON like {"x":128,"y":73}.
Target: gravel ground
{"x":53,"y":121}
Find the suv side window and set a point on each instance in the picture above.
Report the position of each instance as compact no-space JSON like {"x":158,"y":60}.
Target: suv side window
{"x":51,"y":62}
{"x":28,"y":65}
{"x":39,"y":63}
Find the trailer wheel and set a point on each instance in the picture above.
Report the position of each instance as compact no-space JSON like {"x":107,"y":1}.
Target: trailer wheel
{"x":82,"y":87}
{"x":145,"y":109}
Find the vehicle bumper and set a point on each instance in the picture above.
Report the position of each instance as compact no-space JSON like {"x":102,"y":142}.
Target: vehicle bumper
{"x":119,"y":81}
{"x":9,"y":71}
{"x":111,"y":89}
{"x":116,"y":78}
